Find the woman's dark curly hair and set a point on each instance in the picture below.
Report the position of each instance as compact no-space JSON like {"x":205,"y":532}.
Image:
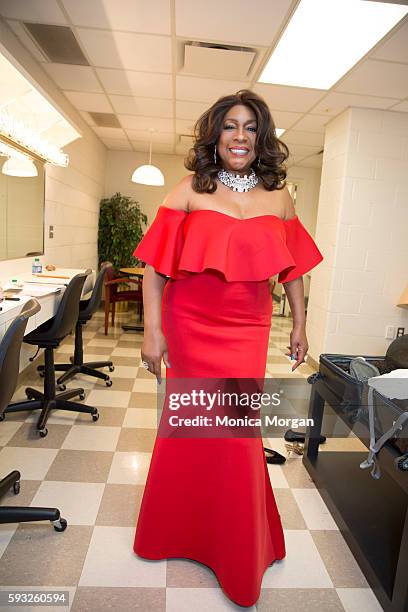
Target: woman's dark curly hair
{"x":271,"y":152}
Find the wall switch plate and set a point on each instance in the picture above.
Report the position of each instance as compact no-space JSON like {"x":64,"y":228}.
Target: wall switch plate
{"x":400,"y":331}
{"x":390,"y":332}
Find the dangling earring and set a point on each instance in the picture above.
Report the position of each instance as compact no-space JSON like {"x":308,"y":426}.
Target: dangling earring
{"x":215,"y":154}
{"x":259,"y":162}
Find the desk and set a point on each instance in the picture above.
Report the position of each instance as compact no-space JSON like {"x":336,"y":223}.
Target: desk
{"x":49,"y":303}
{"x":139,"y":272}
{"x":371,"y":514}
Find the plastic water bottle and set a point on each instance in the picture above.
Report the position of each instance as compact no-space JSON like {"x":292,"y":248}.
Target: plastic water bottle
{"x":36,"y":267}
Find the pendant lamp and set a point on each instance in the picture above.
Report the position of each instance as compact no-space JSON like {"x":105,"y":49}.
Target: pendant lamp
{"x":148,"y":174}
{"x":19,"y":166}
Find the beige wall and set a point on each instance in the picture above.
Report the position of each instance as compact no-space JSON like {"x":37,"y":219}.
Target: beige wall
{"x":119,"y":169}
{"x":72,"y":197}
{"x":120,"y":165}
{"x":362,"y":230}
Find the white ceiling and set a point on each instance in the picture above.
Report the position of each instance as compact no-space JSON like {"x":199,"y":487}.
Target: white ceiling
{"x":135,"y":49}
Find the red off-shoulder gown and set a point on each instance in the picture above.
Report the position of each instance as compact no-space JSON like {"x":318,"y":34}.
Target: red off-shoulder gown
{"x":211,"y":499}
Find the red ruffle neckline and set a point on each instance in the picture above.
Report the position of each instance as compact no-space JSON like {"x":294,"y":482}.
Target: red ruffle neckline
{"x":252,"y":249}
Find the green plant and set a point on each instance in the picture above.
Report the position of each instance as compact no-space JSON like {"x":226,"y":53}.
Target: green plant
{"x":120,"y":230}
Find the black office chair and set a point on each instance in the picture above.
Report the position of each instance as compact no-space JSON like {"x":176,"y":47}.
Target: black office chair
{"x":9,"y":364}
{"x":48,"y":336}
{"x":77,"y":366}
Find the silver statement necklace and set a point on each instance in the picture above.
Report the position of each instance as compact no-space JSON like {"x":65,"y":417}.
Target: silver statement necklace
{"x":236,"y":182}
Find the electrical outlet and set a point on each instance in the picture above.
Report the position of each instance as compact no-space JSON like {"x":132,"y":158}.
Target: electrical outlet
{"x":400,"y":331}
{"x":390,"y":332}
{"x":51,"y":231}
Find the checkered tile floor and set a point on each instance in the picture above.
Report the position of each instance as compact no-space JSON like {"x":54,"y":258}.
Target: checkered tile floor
{"x":94,"y":472}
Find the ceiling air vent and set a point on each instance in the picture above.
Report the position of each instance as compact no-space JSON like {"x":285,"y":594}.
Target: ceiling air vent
{"x":58,"y":43}
{"x":105,"y":120}
{"x":217,"y":61}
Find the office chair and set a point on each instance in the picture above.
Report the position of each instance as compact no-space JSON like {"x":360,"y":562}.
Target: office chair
{"x":48,"y":336}
{"x":77,"y":366}
{"x":9,"y":365}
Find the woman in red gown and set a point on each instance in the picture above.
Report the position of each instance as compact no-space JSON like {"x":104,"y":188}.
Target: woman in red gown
{"x":217,"y":239}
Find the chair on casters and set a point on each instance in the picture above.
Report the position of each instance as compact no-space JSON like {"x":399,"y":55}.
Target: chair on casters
{"x":9,"y":365}
{"x":77,"y":366}
{"x":48,"y":336}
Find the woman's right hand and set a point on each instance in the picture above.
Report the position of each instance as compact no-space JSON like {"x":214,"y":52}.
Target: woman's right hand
{"x":154,"y":349}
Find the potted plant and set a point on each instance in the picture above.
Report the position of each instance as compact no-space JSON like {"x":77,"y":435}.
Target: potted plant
{"x":120,"y":230}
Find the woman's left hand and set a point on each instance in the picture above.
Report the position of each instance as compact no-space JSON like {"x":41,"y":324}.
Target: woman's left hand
{"x":298,"y":346}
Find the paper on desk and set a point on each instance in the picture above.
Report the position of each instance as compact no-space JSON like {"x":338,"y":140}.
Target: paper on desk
{"x":36,"y":290}
{"x":43,"y":280}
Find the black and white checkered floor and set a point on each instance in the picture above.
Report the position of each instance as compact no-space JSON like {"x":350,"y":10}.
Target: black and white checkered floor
{"x":95,"y":473}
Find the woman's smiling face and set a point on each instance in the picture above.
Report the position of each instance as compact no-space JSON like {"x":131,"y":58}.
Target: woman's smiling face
{"x":236,"y":143}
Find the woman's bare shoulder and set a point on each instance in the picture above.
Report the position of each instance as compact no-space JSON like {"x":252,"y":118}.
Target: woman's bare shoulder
{"x":179,"y":197}
{"x":282,"y":203}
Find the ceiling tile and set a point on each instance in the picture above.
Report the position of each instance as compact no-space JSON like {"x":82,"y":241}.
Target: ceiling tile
{"x":303,"y":138}
{"x":283,"y":119}
{"x":95,"y":102}
{"x":401,"y":107}
{"x":299,"y":151}
{"x":335,"y":102}
{"x":190,"y":110}
{"x":107,"y":132}
{"x":144,"y":136}
{"x":233,"y":21}
{"x":132,"y":122}
{"x":126,"y":15}
{"x":315,"y":161}
{"x":117,"y":144}
{"x":87,"y":117}
{"x":313,"y":123}
{"x":205,"y":90}
{"x":123,"y":82}
{"x":153,"y":107}
{"x":126,"y":50}
{"x":40,"y":11}
{"x":20,"y":31}
{"x":157,"y":148}
{"x":296,"y":99}
{"x":377,"y":78}
{"x":76,"y":78}
{"x":395,"y":48}
{"x":293,"y":161}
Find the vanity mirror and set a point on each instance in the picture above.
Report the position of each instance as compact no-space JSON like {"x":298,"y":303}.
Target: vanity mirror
{"x":21,"y":204}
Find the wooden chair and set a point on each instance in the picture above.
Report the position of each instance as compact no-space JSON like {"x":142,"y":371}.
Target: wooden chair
{"x":112,"y":295}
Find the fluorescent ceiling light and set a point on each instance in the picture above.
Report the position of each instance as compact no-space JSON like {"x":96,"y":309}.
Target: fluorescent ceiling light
{"x":325,"y":38}
{"x":29,"y":119}
{"x":16,"y":166}
{"x":16,"y":131}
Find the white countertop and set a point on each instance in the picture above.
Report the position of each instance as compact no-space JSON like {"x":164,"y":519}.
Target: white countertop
{"x":47,"y":291}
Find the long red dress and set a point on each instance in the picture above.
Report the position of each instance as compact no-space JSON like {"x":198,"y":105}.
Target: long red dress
{"x":211,"y":499}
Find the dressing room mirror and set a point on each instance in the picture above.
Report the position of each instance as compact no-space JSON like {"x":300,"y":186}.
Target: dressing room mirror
{"x":21,"y":211}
